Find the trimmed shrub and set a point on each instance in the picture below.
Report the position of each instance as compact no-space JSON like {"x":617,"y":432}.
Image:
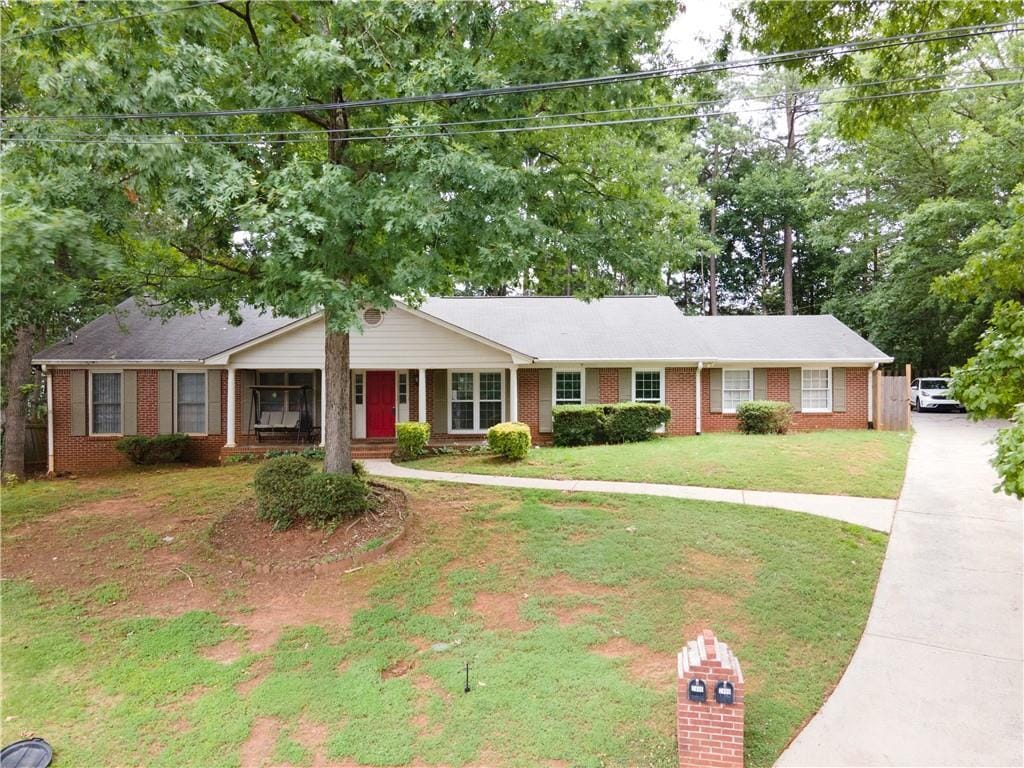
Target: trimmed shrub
{"x":510,"y":440}
{"x":329,"y":498}
{"x":634,"y":422}
{"x":764,"y":417}
{"x":152,"y":450}
{"x":279,"y":485}
{"x":413,"y":437}
{"x":578,"y":424}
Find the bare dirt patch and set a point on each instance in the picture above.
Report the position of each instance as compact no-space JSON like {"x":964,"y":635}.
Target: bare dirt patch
{"x":500,"y":611}
{"x":226,"y":652}
{"x":652,"y":667}
{"x":258,"y":748}
{"x":255,"y":543}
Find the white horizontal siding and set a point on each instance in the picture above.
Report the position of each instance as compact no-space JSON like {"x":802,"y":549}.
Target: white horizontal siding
{"x":401,"y":340}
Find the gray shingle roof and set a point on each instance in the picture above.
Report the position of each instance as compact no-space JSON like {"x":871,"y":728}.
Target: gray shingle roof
{"x":620,"y":328}
{"x":131,"y":333}
{"x":563,"y":328}
{"x":778,"y":337}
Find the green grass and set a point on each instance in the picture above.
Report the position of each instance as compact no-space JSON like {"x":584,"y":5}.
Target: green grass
{"x":845,"y":462}
{"x":789,"y":592}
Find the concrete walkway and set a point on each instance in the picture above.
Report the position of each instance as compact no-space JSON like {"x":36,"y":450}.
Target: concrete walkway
{"x":871,"y":513}
{"x":937,"y":678}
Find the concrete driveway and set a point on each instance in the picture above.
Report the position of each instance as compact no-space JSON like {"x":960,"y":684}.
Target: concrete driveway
{"x":937,"y":678}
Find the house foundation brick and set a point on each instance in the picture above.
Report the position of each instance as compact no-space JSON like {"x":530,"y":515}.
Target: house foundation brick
{"x":709,"y":734}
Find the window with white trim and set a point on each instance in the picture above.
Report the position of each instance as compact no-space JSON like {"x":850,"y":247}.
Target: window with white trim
{"x":357,"y":389}
{"x":190,"y":403}
{"x":476,"y":400}
{"x":647,"y":386}
{"x":106,"y":403}
{"x":568,"y":388}
{"x":737,"y":387}
{"x":816,"y":389}
{"x":403,"y":388}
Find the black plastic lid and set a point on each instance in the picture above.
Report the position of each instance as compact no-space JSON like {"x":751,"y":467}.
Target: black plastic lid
{"x":28,"y":753}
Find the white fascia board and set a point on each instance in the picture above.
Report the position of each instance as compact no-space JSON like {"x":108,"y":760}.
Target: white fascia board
{"x":116,"y":363}
{"x":781,"y":361}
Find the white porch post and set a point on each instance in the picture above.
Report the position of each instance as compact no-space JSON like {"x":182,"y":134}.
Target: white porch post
{"x":421,"y":396}
{"x":231,"y":407}
{"x":323,"y":405}
{"x":513,"y":394}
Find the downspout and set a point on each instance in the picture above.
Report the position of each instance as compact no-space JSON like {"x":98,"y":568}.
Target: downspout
{"x":871,"y":395}
{"x":700,"y":367}
{"x":49,"y":421}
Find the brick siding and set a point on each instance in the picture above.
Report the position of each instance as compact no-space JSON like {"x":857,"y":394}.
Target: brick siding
{"x":709,"y":734}
{"x":96,"y":453}
{"x":855,"y":416}
{"x":608,"y":381}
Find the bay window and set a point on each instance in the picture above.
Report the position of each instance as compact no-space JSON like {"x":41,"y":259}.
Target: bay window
{"x":737,"y":387}
{"x":476,"y":400}
{"x":106,"y":403}
{"x":816,"y":390}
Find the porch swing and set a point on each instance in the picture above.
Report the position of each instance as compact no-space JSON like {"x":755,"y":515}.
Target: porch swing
{"x":268,"y":422}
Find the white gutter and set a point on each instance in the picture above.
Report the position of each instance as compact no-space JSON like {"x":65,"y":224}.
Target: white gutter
{"x":700,"y":367}
{"x":49,"y":422}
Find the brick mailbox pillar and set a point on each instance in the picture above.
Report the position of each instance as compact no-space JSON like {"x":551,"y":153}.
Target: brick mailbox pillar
{"x":709,"y":705}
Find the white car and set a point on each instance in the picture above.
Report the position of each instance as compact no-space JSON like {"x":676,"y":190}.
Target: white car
{"x":932,"y":395}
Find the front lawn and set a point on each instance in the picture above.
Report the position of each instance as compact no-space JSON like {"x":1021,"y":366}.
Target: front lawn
{"x":844,"y":462}
{"x":129,"y":639}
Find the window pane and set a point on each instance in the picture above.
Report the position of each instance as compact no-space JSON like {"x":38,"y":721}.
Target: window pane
{"x":736,"y":389}
{"x":462,"y":386}
{"x":192,"y":402}
{"x":648,"y":386}
{"x":815,"y":389}
{"x":568,"y":387}
{"x":490,"y":414}
{"x":462,"y":415}
{"x":359,"y":389}
{"x":403,"y":388}
{"x":106,"y":403}
{"x":490,"y":386}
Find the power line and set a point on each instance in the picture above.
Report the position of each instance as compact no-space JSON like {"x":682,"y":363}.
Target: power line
{"x":675,"y":71}
{"x":115,"y":20}
{"x":257,"y":134}
{"x":534,"y":128}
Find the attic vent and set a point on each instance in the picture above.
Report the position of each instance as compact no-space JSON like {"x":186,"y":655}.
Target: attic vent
{"x":372,"y":317}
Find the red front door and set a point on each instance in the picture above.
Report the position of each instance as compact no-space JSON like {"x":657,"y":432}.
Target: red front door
{"x":380,"y":404}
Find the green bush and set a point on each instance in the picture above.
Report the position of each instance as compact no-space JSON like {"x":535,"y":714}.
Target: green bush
{"x":633,"y":422}
{"x":279,"y":485}
{"x":578,"y":424}
{"x":413,"y":437}
{"x":152,"y":450}
{"x":510,"y":439}
{"x":328,"y":498}
{"x":764,"y":417}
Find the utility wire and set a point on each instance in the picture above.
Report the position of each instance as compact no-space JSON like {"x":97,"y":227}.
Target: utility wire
{"x":115,"y":20}
{"x":531,"y":128}
{"x":351,"y":131}
{"x":674,"y":71}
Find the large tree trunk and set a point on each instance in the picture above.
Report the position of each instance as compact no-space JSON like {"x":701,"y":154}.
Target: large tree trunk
{"x":17,"y":375}
{"x":338,"y":428}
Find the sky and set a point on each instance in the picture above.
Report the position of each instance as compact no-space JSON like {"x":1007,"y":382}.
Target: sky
{"x":698,"y":27}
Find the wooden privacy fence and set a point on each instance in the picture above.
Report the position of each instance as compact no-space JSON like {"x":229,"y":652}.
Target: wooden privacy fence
{"x":892,"y":401}
{"x":35,"y":447}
